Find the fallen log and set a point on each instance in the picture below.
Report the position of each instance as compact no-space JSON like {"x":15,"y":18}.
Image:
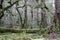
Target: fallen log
{"x":3,"y":30}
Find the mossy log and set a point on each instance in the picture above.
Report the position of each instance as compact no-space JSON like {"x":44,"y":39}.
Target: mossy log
{"x":2,"y":30}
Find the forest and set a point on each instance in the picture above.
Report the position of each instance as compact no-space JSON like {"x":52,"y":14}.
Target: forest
{"x":29,"y":19}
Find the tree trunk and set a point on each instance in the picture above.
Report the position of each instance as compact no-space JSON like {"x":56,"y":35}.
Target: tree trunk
{"x":37,"y":13}
{"x":43,"y":15}
{"x":57,"y":14}
{"x":19,"y":16}
{"x":31,"y":16}
{"x":25,"y":19}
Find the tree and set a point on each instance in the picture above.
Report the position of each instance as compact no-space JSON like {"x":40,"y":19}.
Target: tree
{"x":1,"y":1}
{"x":25,"y":19}
{"x":1,"y":14}
{"x":19,"y":15}
{"x":43,"y":14}
{"x":37,"y":13}
{"x":57,"y":14}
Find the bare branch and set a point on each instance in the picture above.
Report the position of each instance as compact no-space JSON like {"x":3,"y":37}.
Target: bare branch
{"x":2,"y":10}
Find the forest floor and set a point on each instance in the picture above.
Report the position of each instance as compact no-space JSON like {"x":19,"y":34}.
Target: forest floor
{"x":25,"y":36}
